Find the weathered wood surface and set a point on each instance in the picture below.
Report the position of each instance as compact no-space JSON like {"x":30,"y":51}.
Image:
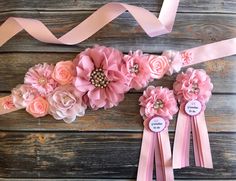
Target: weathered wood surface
{"x":94,"y":155}
{"x":89,"y":148}
{"x":15,"y":65}
{"x":219,"y":6}
{"x":190,"y":30}
{"x":220,"y":115}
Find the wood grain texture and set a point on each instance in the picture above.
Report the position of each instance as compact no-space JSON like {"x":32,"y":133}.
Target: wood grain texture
{"x":97,"y":179}
{"x":190,"y":30}
{"x":15,"y":65}
{"x":105,"y":145}
{"x":93,"y":155}
{"x":220,"y":116}
{"x":219,"y":6}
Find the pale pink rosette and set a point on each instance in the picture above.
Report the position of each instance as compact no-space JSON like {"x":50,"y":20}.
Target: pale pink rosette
{"x":158,"y":66}
{"x":158,"y":101}
{"x":40,"y":78}
{"x":175,"y":61}
{"x":194,"y":84}
{"x":99,"y":75}
{"x":136,"y":69}
{"x":64,"y":72}
{"x":23,"y":95}
{"x":8,"y":103}
{"x":66,"y":103}
{"x":38,"y":107}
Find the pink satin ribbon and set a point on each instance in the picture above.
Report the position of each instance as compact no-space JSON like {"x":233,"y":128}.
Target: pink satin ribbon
{"x":202,"y":150}
{"x":155,"y":146}
{"x":152,"y":25}
{"x":212,"y":51}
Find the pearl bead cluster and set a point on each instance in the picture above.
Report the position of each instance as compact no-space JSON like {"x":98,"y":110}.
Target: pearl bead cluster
{"x":98,"y":78}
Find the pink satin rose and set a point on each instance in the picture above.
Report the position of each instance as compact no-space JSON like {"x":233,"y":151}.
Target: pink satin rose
{"x":23,"y":95}
{"x":158,"y":101}
{"x":99,"y":74}
{"x":38,"y":107}
{"x":64,"y":72}
{"x":65,"y":102}
{"x":136,"y":70}
{"x":40,"y":78}
{"x":158,"y":66}
{"x":193,"y":84}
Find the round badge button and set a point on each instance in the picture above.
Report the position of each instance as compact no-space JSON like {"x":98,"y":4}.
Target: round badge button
{"x":157,"y":124}
{"x":193,"y":107}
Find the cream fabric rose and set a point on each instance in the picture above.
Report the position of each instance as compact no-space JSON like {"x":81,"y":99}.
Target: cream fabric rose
{"x":23,"y":95}
{"x":66,"y":103}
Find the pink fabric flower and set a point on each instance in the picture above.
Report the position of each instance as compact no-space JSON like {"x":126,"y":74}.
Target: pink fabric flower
{"x":136,"y":69}
{"x":158,"y":101}
{"x":158,"y":66}
{"x":98,"y":74}
{"x":64,"y":72}
{"x":40,"y":77}
{"x":194,"y":84}
{"x":175,"y":61}
{"x":65,"y":102}
{"x":23,"y":95}
{"x":38,"y":107}
{"x":7,"y":103}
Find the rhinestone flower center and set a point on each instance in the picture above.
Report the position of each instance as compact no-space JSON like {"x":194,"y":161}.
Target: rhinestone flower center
{"x":98,"y":78}
{"x":158,"y":104}
{"x":134,"y":69}
{"x":195,"y":89}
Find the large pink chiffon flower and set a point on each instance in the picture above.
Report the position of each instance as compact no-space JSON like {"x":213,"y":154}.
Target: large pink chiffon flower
{"x":65,"y":102}
{"x":136,"y":69}
{"x":98,"y":74}
{"x":23,"y":95}
{"x":158,"y":101}
{"x":40,"y":78}
{"x":193,"y":84}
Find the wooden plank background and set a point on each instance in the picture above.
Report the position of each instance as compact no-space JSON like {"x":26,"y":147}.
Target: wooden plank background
{"x":89,"y":148}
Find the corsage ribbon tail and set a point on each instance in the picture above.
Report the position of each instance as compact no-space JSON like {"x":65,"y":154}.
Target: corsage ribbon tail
{"x":146,"y":160}
{"x":202,"y":149}
{"x":182,"y":141}
{"x":163,"y":158}
{"x":155,"y":145}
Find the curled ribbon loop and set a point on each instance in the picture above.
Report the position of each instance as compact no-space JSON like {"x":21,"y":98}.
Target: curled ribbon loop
{"x":158,"y":105}
{"x":152,"y":25}
{"x":193,"y":90}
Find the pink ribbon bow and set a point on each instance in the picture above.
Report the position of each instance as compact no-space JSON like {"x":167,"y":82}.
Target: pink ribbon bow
{"x":158,"y":105}
{"x":193,"y":90}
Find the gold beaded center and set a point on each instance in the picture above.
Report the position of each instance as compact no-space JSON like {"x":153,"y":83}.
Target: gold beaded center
{"x":42,"y":80}
{"x":98,"y":78}
{"x":158,"y":104}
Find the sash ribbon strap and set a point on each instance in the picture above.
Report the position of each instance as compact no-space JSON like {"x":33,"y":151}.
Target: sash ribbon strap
{"x":152,"y":25}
